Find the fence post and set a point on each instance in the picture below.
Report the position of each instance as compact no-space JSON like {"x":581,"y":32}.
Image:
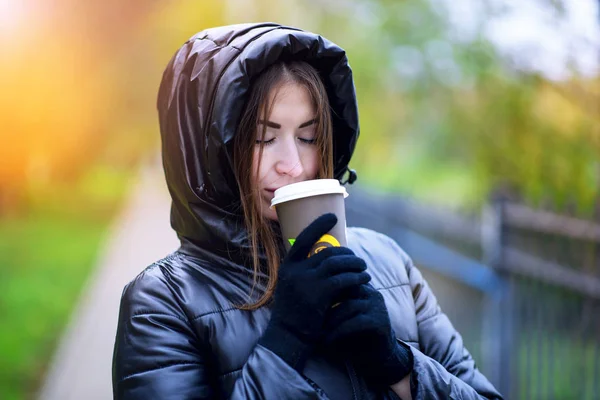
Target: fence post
{"x":497,"y":340}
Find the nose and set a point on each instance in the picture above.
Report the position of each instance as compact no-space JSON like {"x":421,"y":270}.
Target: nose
{"x":289,"y":162}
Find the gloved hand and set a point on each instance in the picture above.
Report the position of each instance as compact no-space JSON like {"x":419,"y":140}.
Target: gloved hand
{"x":306,"y":289}
{"x":359,"y":330}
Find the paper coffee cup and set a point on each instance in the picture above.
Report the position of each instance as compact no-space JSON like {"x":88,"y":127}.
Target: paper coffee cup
{"x":299,"y":204}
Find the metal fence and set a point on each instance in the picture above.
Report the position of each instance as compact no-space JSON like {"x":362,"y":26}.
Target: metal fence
{"x":521,"y":285}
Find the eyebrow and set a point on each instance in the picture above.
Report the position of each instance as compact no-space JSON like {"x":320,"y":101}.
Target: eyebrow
{"x":274,"y":125}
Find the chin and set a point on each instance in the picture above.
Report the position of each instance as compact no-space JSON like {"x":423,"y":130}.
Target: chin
{"x":267,"y":212}
{"x":272,"y":215}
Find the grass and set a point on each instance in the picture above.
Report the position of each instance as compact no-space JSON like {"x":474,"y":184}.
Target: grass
{"x":46,"y":254}
{"x":559,"y":367}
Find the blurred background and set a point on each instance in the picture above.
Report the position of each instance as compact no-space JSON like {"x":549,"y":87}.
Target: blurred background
{"x":480,"y":136}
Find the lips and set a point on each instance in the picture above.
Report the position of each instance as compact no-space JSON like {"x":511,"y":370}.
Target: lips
{"x":269,"y":194}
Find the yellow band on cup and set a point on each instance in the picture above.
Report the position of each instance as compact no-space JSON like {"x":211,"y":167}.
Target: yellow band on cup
{"x":324,"y":242}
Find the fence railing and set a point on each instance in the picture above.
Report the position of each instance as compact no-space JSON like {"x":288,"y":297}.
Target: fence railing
{"x":520,"y":216}
{"x":531,"y":318}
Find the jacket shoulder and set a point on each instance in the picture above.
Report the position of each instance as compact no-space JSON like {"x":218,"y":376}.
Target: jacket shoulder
{"x":186,"y":287}
{"x":387,"y":263}
{"x":150,"y":292}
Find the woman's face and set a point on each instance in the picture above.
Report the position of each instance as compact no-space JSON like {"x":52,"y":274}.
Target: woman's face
{"x":290,"y":154}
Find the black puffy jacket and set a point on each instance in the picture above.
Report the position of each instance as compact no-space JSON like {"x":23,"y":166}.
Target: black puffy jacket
{"x":180,"y":335}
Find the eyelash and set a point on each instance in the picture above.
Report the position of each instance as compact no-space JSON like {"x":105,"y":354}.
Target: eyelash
{"x":271,"y":141}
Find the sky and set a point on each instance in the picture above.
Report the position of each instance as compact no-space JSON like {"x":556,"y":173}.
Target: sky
{"x":527,"y":32}
{"x":533,"y":36}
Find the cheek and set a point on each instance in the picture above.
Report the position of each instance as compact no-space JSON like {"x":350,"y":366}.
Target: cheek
{"x":312,"y":165}
{"x":255,"y":172}
{"x":259,"y":174}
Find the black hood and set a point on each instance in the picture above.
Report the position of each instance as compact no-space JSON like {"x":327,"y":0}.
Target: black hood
{"x":201,"y":97}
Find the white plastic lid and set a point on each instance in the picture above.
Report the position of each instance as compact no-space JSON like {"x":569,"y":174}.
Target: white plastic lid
{"x":314,"y":187}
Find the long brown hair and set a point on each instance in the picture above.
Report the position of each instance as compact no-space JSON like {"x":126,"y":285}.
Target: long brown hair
{"x":261,"y":235}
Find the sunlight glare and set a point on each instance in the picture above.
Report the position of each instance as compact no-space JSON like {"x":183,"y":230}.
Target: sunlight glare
{"x":12,"y":14}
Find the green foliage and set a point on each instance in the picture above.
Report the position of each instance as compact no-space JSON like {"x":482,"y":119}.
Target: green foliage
{"x":45,"y":257}
{"x":557,"y":367}
{"x":446,"y":119}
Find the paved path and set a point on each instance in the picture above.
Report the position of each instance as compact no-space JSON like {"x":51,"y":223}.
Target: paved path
{"x":81,"y":368}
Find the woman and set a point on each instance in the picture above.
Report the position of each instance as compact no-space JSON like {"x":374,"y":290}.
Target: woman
{"x":244,"y":110}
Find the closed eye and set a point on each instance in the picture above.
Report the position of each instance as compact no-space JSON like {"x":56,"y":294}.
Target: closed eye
{"x":271,"y":141}
{"x":308,"y":141}
{"x":266,"y":142}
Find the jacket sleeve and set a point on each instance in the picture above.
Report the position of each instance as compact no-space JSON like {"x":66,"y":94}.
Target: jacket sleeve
{"x":157,"y":354}
{"x":444,"y":368}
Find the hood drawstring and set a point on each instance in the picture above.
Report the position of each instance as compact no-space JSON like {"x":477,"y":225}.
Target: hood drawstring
{"x":352,"y":176}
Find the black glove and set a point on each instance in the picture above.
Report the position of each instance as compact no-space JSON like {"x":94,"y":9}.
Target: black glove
{"x":359,"y":330}
{"x":306,"y":289}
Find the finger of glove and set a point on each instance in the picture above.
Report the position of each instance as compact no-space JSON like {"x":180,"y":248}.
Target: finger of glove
{"x":317,"y":259}
{"x":353,"y":293}
{"x":374,"y":296}
{"x":310,"y":235}
{"x":338,"y":264}
{"x":366,"y":299}
{"x":345,"y":330}
{"x":338,"y":284}
{"x":346,"y":310}
{"x":310,"y":264}
{"x":369,"y":292}
{"x":360,"y":292}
